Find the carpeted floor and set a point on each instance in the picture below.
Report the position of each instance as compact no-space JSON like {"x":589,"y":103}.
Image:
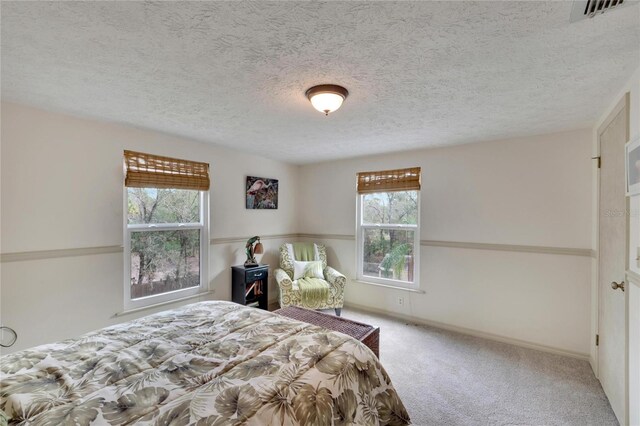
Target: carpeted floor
{"x":447,"y":378}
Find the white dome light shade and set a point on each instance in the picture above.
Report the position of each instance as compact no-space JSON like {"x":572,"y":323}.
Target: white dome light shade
{"x":326,"y":102}
{"x":327,"y":98}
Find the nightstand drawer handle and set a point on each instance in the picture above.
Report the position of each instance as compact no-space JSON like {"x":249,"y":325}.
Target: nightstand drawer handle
{"x":254,"y":276}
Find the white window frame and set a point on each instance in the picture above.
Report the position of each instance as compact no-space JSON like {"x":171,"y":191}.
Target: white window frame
{"x":203,"y":226}
{"x":360,"y":227}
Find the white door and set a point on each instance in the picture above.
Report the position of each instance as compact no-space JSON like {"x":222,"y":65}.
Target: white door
{"x":613,"y":259}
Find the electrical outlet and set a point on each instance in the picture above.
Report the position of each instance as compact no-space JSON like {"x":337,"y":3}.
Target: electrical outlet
{"x":400,"y":300}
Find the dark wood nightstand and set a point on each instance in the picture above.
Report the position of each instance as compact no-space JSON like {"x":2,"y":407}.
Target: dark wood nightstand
{"x":250,"y":285}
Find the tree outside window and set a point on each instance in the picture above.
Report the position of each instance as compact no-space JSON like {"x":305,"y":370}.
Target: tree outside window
{"x":388,"y":236}
{"x":165,"y":229}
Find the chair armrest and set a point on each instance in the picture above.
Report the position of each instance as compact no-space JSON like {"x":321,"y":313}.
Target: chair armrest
{"x":335,"y":278}
{"x":283,"y":280}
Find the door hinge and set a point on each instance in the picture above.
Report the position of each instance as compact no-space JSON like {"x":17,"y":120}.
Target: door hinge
{"x":597,"y":340}
{"x":599,"y":160}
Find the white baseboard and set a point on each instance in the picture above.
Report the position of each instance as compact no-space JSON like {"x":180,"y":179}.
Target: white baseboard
{"x":594,"y":366}
{"x":470,"y":332}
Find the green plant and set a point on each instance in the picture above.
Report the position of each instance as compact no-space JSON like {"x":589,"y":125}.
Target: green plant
{"x":396,"y":259}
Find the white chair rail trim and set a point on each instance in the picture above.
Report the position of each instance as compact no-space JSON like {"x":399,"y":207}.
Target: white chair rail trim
{"x":56,"y":253}
{"x":569,"y":251}
{"x":87,"y":251}
{"x":230,"y":240}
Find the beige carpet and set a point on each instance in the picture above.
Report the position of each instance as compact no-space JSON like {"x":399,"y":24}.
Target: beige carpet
{"x":447,"y":378}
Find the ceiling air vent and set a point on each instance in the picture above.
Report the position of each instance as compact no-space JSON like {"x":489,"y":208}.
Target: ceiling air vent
{"x":583,"y":9}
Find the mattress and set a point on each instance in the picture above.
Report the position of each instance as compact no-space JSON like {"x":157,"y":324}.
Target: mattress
{"x":209,"y":363}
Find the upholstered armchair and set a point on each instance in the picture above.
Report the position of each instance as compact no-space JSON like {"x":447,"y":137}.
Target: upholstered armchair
{"x":301,"y":285}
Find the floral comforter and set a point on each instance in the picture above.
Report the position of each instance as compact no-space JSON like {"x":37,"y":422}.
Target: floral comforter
{"x":210,"y":363}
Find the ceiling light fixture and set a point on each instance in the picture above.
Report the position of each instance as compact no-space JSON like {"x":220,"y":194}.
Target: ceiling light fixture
{"x":327,"y":97}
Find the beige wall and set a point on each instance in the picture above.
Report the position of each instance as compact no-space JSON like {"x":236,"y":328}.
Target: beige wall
{"x":532,"y":191}
{"x":62,"y":188}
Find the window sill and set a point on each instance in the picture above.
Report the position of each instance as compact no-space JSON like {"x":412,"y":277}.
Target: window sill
{"x":167,"y":302}
{"x":395,"y":287}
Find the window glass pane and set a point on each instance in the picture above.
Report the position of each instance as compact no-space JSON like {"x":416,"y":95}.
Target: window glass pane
{"x":388,"y":253}
{"x":163,"y":261}
{"x":151,"y":205}
{"x":398,"y":208}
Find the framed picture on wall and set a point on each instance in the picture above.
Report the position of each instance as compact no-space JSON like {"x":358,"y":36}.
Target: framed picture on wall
{"x":262,"y":193}
{"x":632,"y":164}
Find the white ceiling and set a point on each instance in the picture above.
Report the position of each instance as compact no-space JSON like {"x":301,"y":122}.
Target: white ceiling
{"x":420,"y":74}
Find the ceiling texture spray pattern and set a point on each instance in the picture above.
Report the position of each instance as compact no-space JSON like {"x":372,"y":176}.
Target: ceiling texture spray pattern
{"x":419,"y":74}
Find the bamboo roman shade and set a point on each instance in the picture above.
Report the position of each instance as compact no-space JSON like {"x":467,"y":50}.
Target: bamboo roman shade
{"x":154,"y":171}
{"x":389,"y":180}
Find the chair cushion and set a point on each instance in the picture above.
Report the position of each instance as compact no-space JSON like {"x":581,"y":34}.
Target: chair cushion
{"x":311,"y":269}
{"x":287,"y":256}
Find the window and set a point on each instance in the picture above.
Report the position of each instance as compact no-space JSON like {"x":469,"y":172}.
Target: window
{"x":388,"y":227}
{"x":166,"y":235}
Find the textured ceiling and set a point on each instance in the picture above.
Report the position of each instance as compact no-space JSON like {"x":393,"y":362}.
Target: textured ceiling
{"x":419,"y":74}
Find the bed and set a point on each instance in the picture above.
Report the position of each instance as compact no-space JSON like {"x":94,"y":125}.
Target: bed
{"x":209,"y":363}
